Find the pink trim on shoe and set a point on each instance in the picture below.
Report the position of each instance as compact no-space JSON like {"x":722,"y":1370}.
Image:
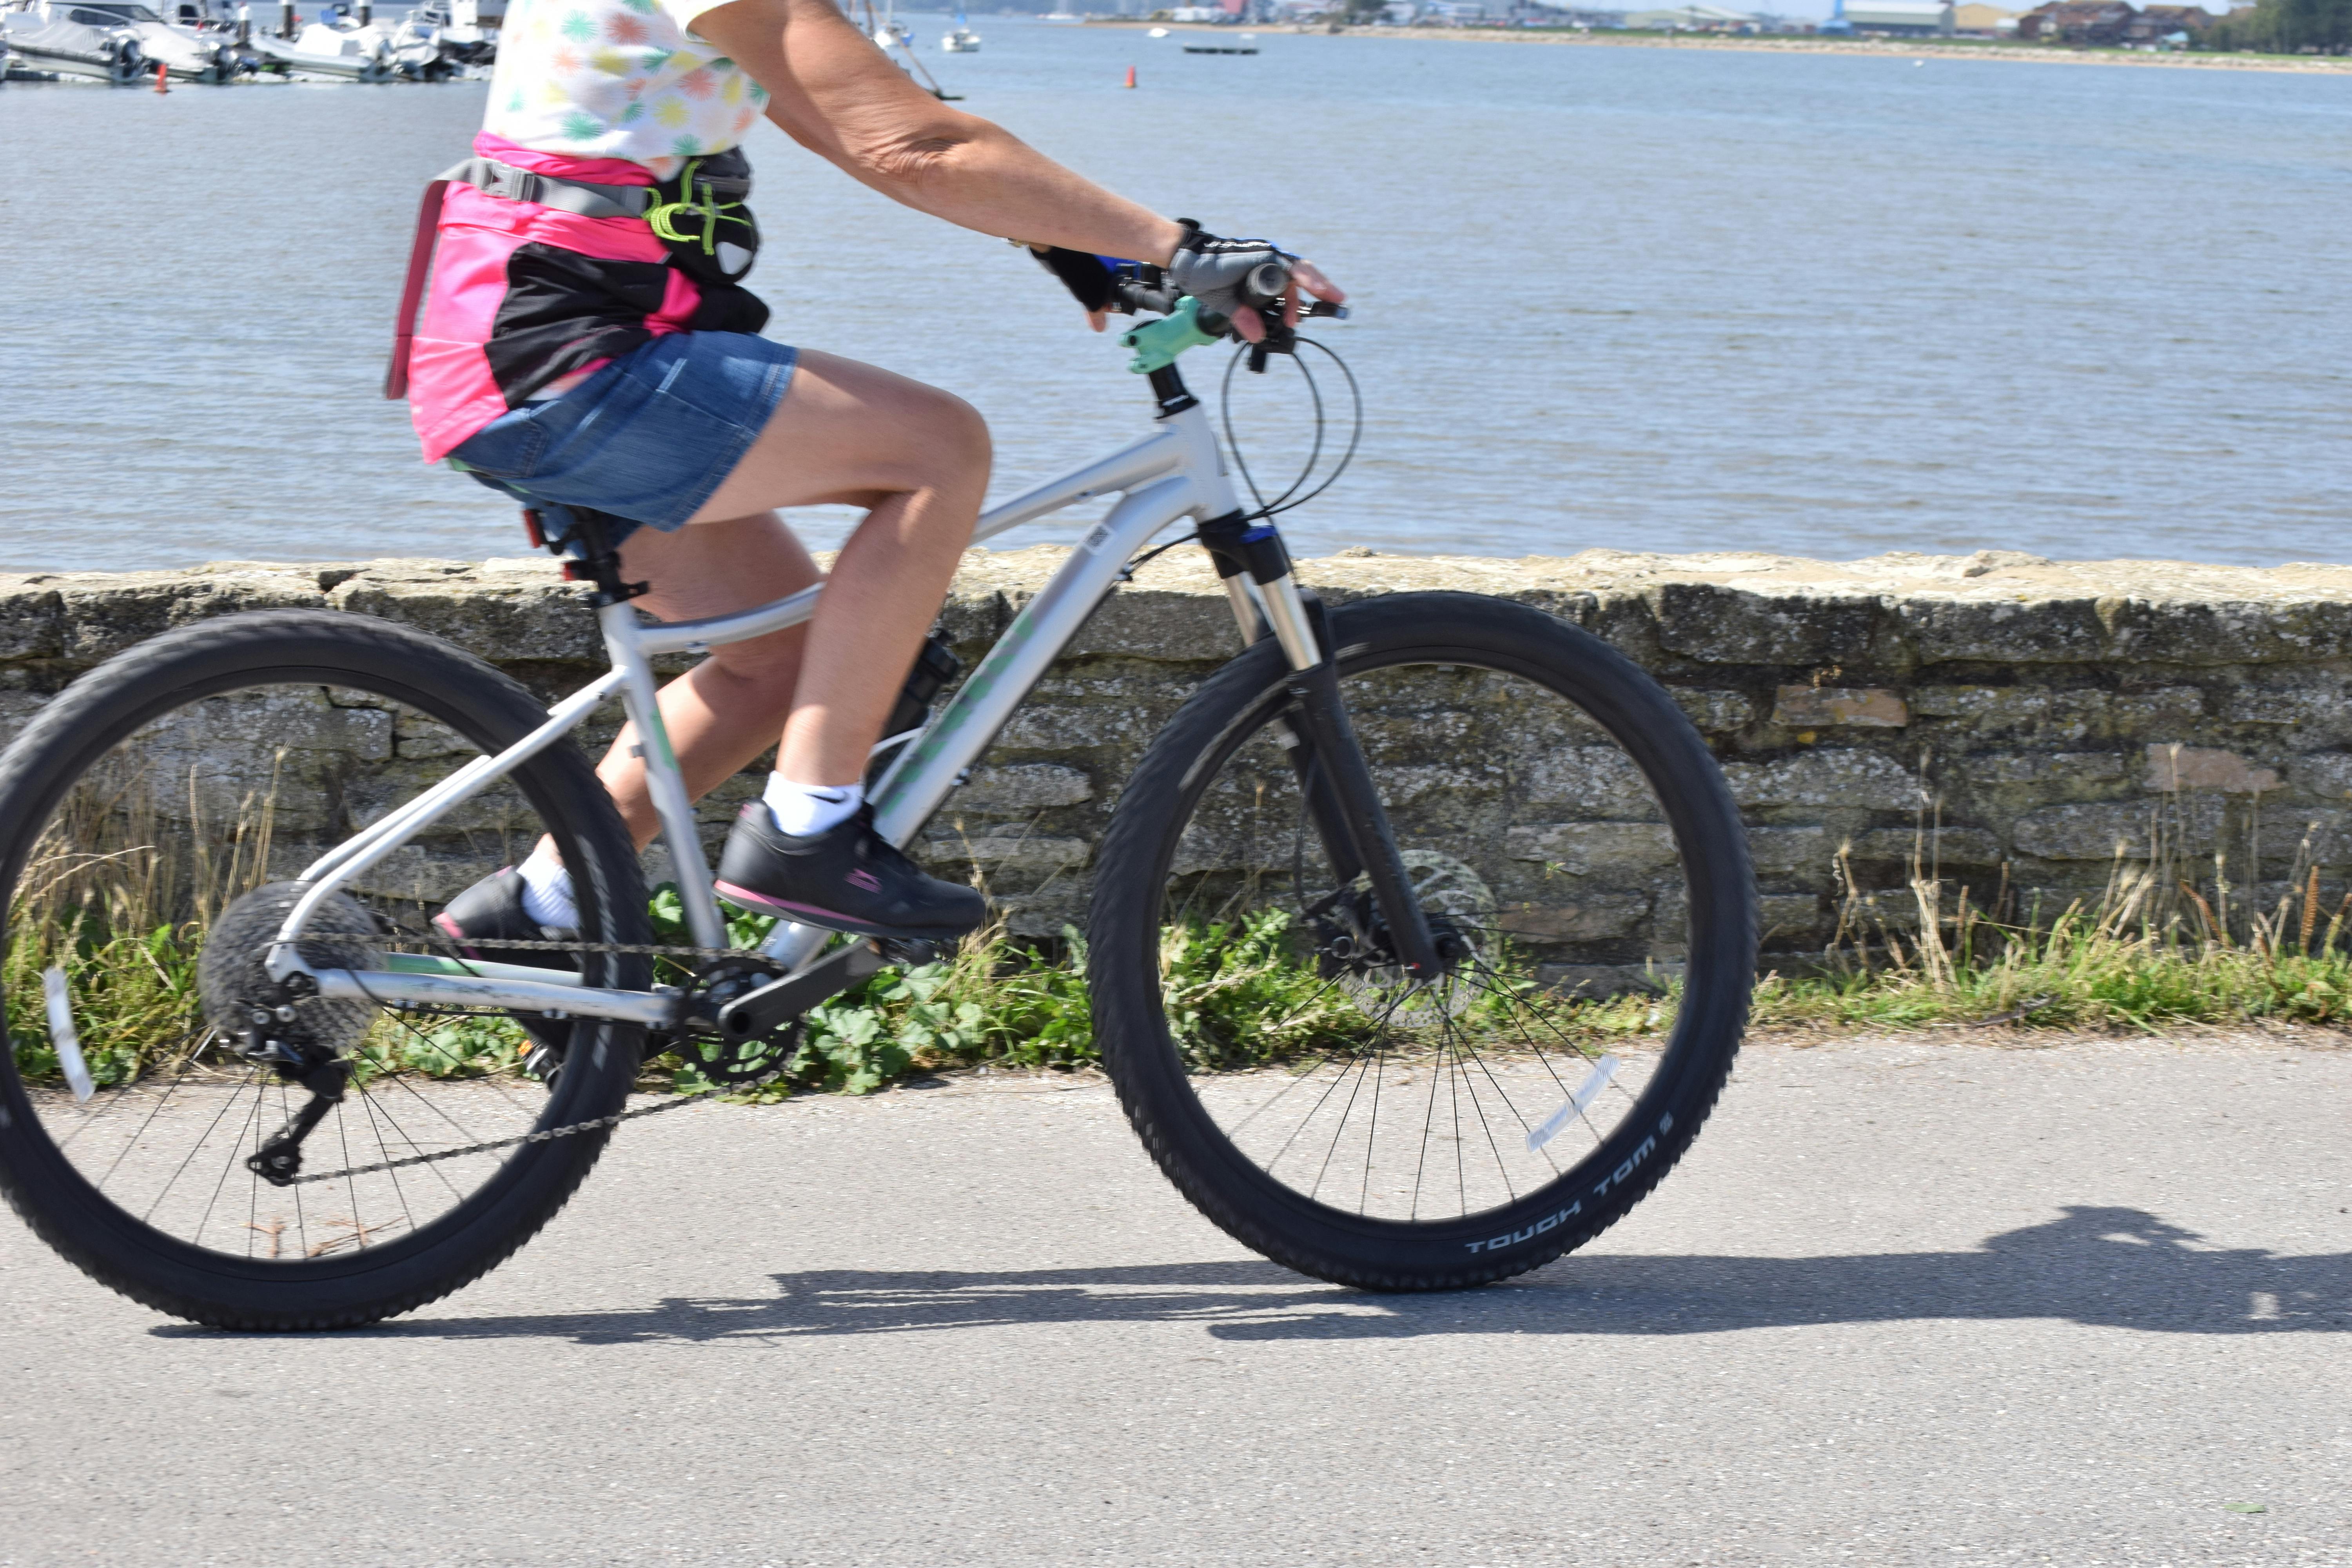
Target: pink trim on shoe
{"x":775,"y":906}
{"x":449,"y":927}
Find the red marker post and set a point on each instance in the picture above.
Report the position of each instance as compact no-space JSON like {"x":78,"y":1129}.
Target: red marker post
{"x":162,"y":84}
{"x":1131,"y":76}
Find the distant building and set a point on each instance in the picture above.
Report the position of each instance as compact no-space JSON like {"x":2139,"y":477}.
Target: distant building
{"x":2155,"y":24}
{"x":1692,"y":19}
{"x":2078,"y":22}
{"x":1559,"y":13}
{"x":1892,"y":19}
{"x":1980,"y":21}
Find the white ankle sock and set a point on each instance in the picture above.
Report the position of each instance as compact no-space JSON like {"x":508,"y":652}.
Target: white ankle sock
{"x":547,"y":890}
{"x":802,"y":809}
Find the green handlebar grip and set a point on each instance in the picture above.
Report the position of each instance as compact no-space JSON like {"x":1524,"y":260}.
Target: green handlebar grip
{"x":1157,"y":343}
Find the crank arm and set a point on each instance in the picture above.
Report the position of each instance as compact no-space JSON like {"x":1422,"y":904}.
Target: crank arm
{"x":771,"y":1007}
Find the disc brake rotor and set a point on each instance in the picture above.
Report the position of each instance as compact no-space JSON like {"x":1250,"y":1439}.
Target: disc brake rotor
{"x":1461,"y":911}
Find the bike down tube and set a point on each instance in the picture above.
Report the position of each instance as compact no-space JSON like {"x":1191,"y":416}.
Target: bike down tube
{"x":388,"y":833}
{"x":928,"y":767}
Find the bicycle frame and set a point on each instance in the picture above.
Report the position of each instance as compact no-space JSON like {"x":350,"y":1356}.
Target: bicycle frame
{"x":1176,"y":472}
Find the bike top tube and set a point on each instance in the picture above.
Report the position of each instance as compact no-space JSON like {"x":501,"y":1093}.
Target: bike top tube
{"x":1176,"y":446}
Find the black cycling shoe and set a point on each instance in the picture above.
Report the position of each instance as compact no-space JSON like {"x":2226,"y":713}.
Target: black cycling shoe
{"x":492,"y":908}
{"x":846,"y":878}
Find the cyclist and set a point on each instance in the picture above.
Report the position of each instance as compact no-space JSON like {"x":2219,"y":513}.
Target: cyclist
{"x":586,"y":344}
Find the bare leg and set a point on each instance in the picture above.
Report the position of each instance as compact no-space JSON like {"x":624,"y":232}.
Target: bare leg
{"x":918,"y":459}
{"x":726,"y":710}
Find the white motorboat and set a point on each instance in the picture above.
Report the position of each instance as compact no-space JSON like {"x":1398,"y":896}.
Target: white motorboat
{"x":112,"y":41}
{"x":960,"y":41}
{"x":342,"y":49}
{"x":468,"y":28}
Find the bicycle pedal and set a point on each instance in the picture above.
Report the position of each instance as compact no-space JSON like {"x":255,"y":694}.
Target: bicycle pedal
{"x":910,"y":952}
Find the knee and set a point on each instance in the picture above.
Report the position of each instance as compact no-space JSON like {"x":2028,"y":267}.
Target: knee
{"x":955,"y":437}
{"x":767,"y":663}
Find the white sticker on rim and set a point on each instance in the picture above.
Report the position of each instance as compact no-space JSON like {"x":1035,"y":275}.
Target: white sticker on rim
{"x":1586,"y":1093}
{"x":62,"y":1037}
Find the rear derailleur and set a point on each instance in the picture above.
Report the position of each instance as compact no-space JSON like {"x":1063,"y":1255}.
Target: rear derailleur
{"x":270,"y":1041}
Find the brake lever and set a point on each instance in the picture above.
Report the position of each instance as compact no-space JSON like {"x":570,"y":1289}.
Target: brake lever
{"x":1280,"y":338}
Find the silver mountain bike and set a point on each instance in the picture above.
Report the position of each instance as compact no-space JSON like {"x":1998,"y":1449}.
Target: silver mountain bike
{"x":250,"y":1083}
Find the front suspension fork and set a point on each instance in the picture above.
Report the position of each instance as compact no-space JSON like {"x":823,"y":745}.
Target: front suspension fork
{"x":1338,"y":783}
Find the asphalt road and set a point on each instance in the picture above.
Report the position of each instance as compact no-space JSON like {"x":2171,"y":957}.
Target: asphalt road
{"x":1907,"y":1302}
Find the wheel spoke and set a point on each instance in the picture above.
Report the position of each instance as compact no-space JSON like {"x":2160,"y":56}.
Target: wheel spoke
{"x":152,"y":865}
{"x":1527,"y":830}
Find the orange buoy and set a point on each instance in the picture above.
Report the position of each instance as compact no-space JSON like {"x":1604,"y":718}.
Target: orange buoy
{"x":162,"y":84}
{"x":1131,"y":76}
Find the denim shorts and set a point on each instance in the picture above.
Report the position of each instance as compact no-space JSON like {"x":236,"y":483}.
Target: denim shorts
{"x":647,"y":438}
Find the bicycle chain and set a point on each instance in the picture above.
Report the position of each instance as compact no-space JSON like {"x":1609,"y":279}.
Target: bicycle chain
{"x":652,"y":950}
{"x":548,"y":1136}
{"x":574,"y":1129}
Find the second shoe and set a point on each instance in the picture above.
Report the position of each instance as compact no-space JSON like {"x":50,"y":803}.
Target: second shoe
{"x":847,"y":877}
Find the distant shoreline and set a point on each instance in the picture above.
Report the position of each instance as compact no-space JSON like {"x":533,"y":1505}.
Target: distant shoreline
{"x":2306,"y":64}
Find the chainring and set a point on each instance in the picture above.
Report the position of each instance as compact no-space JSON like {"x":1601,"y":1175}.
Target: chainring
{"x":716,"y":1059}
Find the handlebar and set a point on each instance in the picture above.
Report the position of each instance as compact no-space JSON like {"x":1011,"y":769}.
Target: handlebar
{"x":1134,"y":288}
{"x":1138,"y":289}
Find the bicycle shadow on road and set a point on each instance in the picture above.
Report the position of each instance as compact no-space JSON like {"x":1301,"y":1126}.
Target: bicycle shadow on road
{"x":2110,"y":1267}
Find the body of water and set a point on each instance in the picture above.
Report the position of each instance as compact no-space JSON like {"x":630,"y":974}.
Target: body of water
{"x":1648,"y":299}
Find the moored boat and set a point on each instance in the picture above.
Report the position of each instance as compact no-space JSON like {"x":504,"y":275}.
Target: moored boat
{"x":339,"y":46}
{"x":114,"y":41}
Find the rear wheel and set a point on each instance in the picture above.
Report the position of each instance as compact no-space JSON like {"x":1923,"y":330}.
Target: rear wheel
{"x":152,"y":819}
{"x":1569,"y":836}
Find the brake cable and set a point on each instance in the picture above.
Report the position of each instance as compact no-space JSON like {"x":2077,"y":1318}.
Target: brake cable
{"x":1290,"y":499}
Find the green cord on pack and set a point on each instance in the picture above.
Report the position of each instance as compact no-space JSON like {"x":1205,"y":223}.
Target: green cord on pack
{"x":707,"y":207}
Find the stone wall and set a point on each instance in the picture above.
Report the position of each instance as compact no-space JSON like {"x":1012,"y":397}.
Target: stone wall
{"x":2019,"y":723}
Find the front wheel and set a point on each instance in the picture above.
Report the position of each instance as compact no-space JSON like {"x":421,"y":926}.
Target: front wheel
{"x":1569,"y":838}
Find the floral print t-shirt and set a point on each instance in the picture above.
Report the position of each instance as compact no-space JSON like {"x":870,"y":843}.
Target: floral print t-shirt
{"x":617,"y":78}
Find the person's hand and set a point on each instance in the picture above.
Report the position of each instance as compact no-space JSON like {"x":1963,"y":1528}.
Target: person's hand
{"x":1306,"y":278}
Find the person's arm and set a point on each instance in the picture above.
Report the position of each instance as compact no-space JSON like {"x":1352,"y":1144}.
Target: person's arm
{"x":838,"y":95}
{"x":833,"y":92}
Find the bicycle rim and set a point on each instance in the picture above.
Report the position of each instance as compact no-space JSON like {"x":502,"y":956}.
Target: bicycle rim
{"x":155,"y":841}
{"x":1551,"y":850}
